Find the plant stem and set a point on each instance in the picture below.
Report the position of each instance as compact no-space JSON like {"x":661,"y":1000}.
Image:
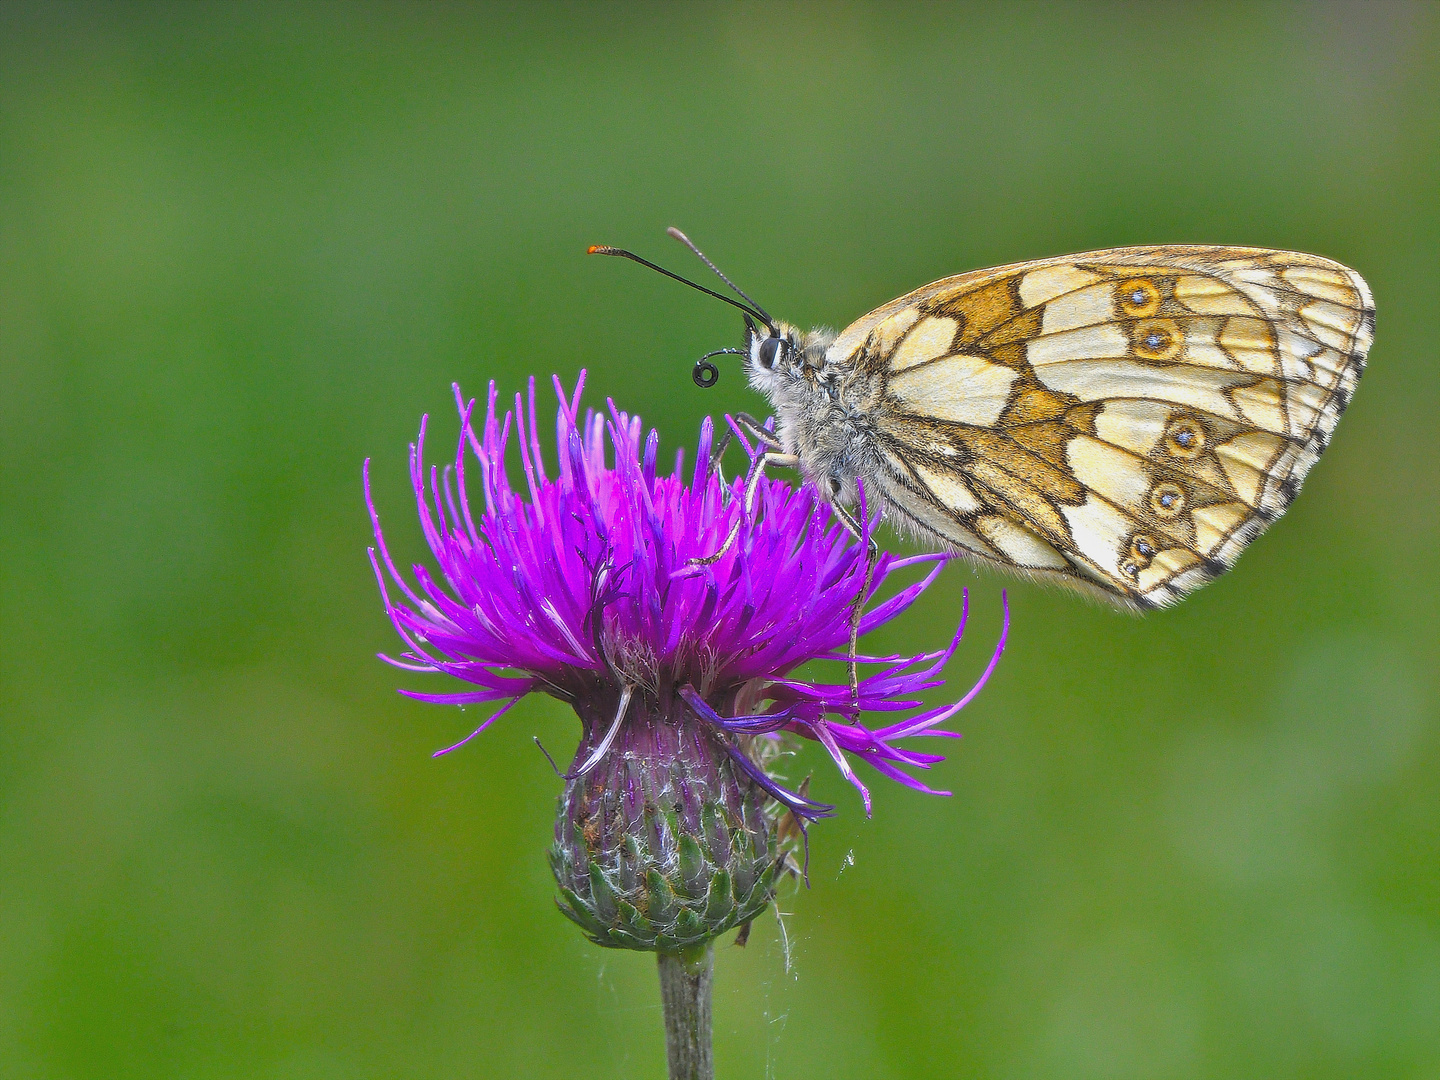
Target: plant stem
{"x":685,"y":980}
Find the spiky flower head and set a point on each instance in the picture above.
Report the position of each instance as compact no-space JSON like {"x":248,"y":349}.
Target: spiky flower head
{"x":589,"y":586}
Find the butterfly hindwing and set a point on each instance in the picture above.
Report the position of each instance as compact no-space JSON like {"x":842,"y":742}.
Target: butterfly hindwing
{"x":1124,"y":420}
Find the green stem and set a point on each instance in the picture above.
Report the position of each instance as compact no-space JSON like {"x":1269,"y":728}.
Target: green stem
{"x":685,"y":980}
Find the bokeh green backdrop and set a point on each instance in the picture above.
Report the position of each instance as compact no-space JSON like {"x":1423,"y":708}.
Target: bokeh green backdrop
{"x":243,"y":247}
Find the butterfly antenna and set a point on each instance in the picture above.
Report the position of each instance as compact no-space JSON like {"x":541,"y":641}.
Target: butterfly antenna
{"x":678,"y":235}
{"x":605,"y":249}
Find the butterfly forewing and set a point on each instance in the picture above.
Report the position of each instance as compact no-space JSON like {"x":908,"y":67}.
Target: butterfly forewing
{"x":1124,"y":420}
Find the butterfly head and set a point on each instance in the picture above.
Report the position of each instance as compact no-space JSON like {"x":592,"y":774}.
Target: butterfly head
{"x":770,"y":351}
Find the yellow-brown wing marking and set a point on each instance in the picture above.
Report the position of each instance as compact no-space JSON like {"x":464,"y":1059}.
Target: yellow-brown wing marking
{"x":1127,"y":420}
{"x":1056,"y":510}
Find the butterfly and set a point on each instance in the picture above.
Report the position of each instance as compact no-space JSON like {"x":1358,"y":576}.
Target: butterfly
{"x":1122,"y":422}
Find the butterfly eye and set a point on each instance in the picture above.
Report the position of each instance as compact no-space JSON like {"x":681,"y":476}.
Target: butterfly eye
{"x":772,"y":349}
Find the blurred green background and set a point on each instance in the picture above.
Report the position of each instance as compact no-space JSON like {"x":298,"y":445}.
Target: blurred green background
{"x":243,"y":247}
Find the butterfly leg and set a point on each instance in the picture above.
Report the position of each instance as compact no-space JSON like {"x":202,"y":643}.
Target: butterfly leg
{"x":752,"y":485}
{"x":758,"y":431}
{"x":717,"y":454}
{"x":872,"y":553}
{"x":751,"y":427}
{"x":752,"y":482}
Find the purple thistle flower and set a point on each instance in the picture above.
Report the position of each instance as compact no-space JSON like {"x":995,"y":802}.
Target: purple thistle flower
{"x":588,"y":592}
{"x":671,"y":828}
